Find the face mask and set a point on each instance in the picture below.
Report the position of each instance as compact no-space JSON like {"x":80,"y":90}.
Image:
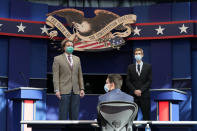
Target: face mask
{"x":138,"y":57}
{"x":106,"y":88}
{"x":69,"y":49}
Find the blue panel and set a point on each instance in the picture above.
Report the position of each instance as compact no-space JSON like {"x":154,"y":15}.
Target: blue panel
{"x":194,"y":85}
{"x":4,"y":8}
{"x":41,"y":107}
{"x":4,"y":56}
{"x":160,"y":13}
{"x":19,"y":62}
{"x":181,"y":11}
{"x":25,"y":94}
{"x":145,"y":45}
{"x":185,"y":107}
{"x":53,"y":8}
{"x":175,"y":111}
{"x":3,"y":110}
{"x":10,"y":117}
{"x":20,"y":9}
{"x":88,"y":110}
{"x":153,"y":115}
{"x":38,"y":66}
{"x":115,"y":61}
{"x":142,"y":14}
{"x":120,"y":10}
{"x":38,"y":12}
{"x":168,"y":95}
{"x":52,"y":107}
{"x":17,"y":110}
{"x":181,"y":55}
{"x":161,"y":60}
{"x":194,"y":45}
{"x":193,"y":11}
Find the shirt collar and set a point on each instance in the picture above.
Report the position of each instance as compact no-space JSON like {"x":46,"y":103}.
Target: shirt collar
{"x":141,"y":63}
{"x":115,"y":90}
{"x":67,"y":55}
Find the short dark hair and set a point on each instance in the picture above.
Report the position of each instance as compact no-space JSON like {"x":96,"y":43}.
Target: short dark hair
{"x":63,"y":43}
{"x":116,"y":79}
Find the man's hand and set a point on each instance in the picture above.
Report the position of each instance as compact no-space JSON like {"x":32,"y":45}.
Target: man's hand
{"x":138,"y":92}
{"x":82,"y":93}
{"x":58,"y":95}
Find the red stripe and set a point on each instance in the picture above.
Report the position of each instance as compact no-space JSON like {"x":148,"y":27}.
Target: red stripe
{"x":34,"y":36}
{"x":81,"y":42}
{"x":87,"y":45}
{"x":101,"y":46}
{"x":164,"y":111}
{"x":169,"y":22}
{"x":26,"y":21}
{"x":136,"y":24}
{"x":77,"y":44}
{"x":29,"y":101}
{"x":98,"y":47}
{"x":160,"y":37}
{"x":153,"y":23}
{"x":131,"y":38}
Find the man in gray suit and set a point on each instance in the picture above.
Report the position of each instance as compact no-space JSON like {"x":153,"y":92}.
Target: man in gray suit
{"x":68,"y":82}
{"x":113,"y":85}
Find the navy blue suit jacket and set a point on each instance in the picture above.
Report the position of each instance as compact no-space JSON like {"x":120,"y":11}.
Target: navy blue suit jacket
{"x":115,"y":95}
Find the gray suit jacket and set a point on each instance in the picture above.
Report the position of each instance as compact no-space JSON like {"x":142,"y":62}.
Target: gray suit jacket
{"x":66,"y":78}
{"x":115,"y":95}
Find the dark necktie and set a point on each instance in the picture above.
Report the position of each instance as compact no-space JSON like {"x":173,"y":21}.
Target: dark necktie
{"x":138,"y":67}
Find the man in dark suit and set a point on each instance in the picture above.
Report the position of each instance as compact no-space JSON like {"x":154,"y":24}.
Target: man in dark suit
{"x":68,"y":82}
{"x":113,"y":85}
{"x":139,"y":79}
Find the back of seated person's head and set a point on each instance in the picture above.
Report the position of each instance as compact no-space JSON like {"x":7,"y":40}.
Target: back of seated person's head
{"x":115,"y":79}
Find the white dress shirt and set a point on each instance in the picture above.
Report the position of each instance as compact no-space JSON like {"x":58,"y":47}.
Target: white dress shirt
{"x":141,"y":64}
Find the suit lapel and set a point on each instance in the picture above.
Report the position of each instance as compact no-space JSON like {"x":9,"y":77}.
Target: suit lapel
{"x":66,"y":61}
{"x":143,"y":68}
{"x":74,"y":62}
{"x":134,"y":67}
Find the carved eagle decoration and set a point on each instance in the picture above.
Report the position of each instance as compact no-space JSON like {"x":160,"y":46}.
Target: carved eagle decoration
{"x":87,"y":26}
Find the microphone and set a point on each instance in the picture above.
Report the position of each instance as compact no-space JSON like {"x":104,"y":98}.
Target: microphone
{"x":23,"y":77}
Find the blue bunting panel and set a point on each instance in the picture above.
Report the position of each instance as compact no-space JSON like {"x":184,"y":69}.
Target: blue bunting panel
{"x":141,"y":31}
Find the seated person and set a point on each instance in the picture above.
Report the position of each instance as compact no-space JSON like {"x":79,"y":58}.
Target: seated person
{"x":112,"y":87}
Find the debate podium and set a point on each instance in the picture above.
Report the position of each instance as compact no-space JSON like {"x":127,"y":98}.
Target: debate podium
{"x":168,"y":103}
{"x":22,"y":106}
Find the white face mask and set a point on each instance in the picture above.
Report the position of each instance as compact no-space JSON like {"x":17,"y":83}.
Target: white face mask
{"x":138,"y":57}
{"x":106,"y":88}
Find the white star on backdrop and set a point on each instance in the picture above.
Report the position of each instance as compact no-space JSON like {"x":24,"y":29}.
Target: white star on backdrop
{"x":21,"y":28}
{"x":160,"y":30}
{"x":44,"y":29}
{"x":183,"y":28}
{"x":0,"y":26}
{"x":137,"y":31}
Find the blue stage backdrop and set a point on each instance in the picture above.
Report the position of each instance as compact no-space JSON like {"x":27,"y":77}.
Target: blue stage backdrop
{"x":26,"y":61}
